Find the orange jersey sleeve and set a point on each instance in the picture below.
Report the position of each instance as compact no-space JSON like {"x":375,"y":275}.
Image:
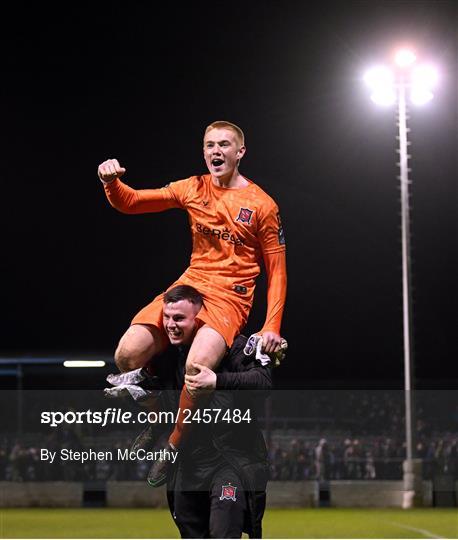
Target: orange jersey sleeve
{"x":272,"y":241}
{"x":270,"y":230}
{"x":140,"y":201}
{"x":275,"y":264}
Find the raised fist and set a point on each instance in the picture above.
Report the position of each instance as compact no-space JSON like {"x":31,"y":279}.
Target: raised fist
{"x":109,"y":170}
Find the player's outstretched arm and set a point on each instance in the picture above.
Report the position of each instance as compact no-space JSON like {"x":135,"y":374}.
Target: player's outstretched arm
{"x":135,"y":201}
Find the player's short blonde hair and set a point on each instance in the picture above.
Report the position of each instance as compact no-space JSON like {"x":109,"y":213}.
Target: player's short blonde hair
{"x":223,"y":124}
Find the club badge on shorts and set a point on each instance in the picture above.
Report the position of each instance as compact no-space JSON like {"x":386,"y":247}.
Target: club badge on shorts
{"x":245,"y":215}
{"x":228,"y":492}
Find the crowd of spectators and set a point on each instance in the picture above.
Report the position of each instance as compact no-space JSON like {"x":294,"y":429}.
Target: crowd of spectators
{"x":22,"y":461}
{"x":366,"y":412}
{"x":291,"y":458}
{"x":362,"y":458}
{"x":354,"y":435}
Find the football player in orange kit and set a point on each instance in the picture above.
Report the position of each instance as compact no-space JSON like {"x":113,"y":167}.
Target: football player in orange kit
{"x":234,"y":226}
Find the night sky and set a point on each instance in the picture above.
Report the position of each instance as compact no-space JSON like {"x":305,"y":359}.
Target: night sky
{"x":84,"y":83}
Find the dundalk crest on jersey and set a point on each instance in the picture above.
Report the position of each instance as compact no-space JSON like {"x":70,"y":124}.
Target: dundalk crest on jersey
{"x":228,"y":492}
{"x":245,"y":215}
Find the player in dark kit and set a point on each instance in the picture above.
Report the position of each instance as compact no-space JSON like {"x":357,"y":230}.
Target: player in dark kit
{"x":217,"y":487}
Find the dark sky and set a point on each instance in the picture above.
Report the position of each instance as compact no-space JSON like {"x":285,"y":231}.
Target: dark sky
{"x":83,"y":83}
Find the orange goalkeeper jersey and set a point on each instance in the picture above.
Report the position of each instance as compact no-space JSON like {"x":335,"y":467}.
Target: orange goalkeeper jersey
{"x":232,"y":231}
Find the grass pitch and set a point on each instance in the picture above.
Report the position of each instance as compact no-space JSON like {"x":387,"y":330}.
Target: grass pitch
{"x":297,"y":523}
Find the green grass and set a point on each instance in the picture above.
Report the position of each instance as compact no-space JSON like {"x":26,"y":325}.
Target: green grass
{"x":361,"y":523}
{"x":297,"y":523}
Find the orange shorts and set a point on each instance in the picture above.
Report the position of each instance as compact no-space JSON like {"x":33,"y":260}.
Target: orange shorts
{"x":226,"y":313}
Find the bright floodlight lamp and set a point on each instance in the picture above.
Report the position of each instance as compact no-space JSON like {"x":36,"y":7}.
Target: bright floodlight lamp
{"x":404,"y":58}
{"x":425,"y":75}
{"x":420,"y":96}
{"x":424,"y":79}
{"x":381,"y":81}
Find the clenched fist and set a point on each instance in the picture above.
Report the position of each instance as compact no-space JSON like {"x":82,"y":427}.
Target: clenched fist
{"x":109,"y":170}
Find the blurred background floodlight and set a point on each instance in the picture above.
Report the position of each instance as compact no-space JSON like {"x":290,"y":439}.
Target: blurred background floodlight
{"x":405,"y":57}
{"x":420,"y":96}
{"x":423,"y":79}
{"x":425,"y":76}
{"x":381,"y":80}
{"x":385,"y":97}
{"x":84,"y":363}
{"x":379,"y":77}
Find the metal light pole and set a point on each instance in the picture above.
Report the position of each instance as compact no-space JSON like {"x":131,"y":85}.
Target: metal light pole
{"x":406,"y":268}
{"x":412,"y":483}
{"x":388,"y":89}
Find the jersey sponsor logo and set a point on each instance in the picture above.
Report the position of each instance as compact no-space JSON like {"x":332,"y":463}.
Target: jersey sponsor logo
{"x":228,"y":492}
{"x":281,"y":233}
{"x":245,"y":215}
{"x":225,"y":234}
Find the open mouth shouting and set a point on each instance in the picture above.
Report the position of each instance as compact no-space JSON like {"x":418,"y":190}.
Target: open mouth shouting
{"x":217,"y":162}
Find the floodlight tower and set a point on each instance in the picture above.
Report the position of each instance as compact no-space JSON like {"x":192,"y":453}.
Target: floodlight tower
{"x":390,"y":87}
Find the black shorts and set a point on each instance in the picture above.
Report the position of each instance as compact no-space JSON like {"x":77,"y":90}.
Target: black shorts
{"x":220,"y":512}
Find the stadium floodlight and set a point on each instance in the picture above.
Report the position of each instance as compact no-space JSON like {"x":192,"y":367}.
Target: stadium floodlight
{"x":84,"y":363}
{"x":389,"y":87}
{"x":379,"y":77}
{"x":404,"y":57}
{"x":381,"y":81}
{"x":425,"y":76}
{"x":420,"y":96}
{"x":424,"y":79}
{"x":386,"y":85}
